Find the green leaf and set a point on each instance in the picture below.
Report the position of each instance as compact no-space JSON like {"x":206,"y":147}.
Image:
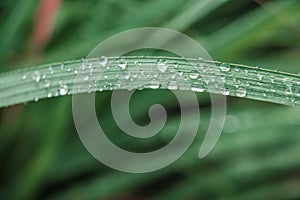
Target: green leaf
{"x":197,"y":75}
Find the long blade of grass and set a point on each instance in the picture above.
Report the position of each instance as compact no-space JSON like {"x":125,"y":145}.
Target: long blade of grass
{"x":239,"y":80}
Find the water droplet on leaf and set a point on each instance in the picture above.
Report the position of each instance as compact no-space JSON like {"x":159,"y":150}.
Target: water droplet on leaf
{"x":63,"y":89}
{"x":36,"y":76}
{"x":162,"y":65}
{"x":194,"y":74}
{"x":154,"y":84}
{"x":46,"y":83}
{"x":126,"y":75}
{"x":172,"y":85}
{"x":103,"y":61}
{"x":224,"y":67}
{"x":122,"y":63}
{"x":241,"y":92}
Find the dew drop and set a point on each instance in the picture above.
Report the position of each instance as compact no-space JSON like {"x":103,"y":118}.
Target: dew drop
{"x":194,"y":75}
{"x":137,"y":63}
{"x":86,"y":78}
{"x":224,"y":67}
{"x":226,"y":92}
{"x":259,"y":76}
{"x":155,"y":74}
{"x":201,"y":62}
{"x":236,"y":69}
{"x":172,"y":85}
{"x":51,"y":70}
{"x":289,"y":90}
{"x":140,"y":87}
{"x":24,"y":77}
{"x":63,"y":89}
{"x":241,"y":92}
{"x":82,"y":67}
{"x":134,"y":74}
{"x":173,"y":76}
{"x":126,"y":75}
{"x":180,"y":74}
{"x":36,"y":76}
{"x":161,"y":65}
{"x":122,"y":63}
{"x":36,"y":99}
{"x":154,"y":84}
{"x":46,"y":83}
{"x":197,"y":89}
{"x":103,"y":61}
{"x":175,"y":65}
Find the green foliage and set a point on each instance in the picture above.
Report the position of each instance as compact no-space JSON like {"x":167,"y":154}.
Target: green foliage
{"x":257,"y":156}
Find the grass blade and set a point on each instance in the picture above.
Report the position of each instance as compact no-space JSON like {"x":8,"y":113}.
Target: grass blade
{"x":58,"y":79}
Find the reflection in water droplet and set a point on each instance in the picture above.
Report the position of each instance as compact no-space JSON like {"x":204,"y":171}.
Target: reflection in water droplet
{"x":194,"y":74}
{"x":172,"y":85}
{"x":122,"y":63}
{"x":259,"y":76}
{"x":201,"y":62}
{"x":103,"y":61}
{"x":51,"y":70}
{"x":224,"y":67}
{"x":63,"y":89}
{"x":197,"y":89}
{"x":137,"y":63}
{"x":86,"y":78}
{"x":241,"y":92}
{"x":289,"y":90}
{"x":162,"y":65}
{"x":140,"y":87}
{"x":36,"y":76}
{"x":226,"y":92}
{"x":126,"y":75}
{"x":154,"y":84}
{"x":46,"y":83}
{"x":173,"y":76}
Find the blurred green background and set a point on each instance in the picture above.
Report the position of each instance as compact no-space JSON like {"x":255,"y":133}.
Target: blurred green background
{"x":257,"y":156}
